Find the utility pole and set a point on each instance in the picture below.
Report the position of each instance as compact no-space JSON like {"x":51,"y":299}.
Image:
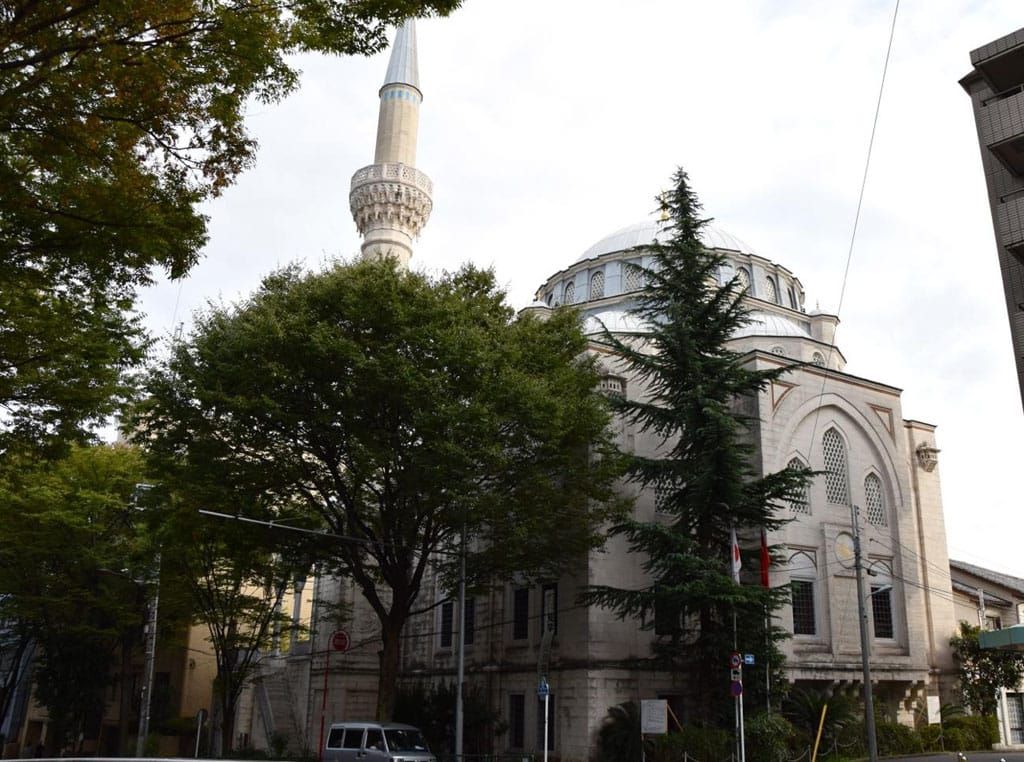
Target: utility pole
{"x":865,"y":648}
{"x":147,"y":674}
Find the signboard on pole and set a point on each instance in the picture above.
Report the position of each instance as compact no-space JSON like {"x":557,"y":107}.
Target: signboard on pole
{"x":736,"y":689}
{"x":653,"y":716}
{"x":543,"y":689}
{"x":340,"y":641}
{"x":934,"y":710}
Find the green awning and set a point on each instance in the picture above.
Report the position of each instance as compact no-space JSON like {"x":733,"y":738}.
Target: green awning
{"x":1006,"y":639}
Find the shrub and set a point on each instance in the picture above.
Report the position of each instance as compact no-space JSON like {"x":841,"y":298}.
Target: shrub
{"x":768,"y":738}
{"x":894,"y":738}
{"x":931,"y":737}
{"x":957,"y":739}
{"x":978,"y":732}
{"x":618,"y":740}
{"x":702,"y":743}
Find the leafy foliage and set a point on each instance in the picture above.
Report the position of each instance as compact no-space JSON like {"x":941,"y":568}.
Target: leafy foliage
{"x":68,"y":532}
{"x":432,"y":709}
{"x":117,"y":119}
{"x":618,"y":739}
{"x":705,"y":480}
{"x":399,"y":411}
{"x":983,"y":672}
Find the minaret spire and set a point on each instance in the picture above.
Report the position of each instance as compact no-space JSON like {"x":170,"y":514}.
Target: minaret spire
{"x":391,"y":199}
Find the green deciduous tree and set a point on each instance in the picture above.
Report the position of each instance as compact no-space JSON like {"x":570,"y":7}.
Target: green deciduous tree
{"x":705,"y":480}
{"x":396,"y":410}
{"x":117,"y":119}
{"x":983,"y":672}
{"x":69,"y":542}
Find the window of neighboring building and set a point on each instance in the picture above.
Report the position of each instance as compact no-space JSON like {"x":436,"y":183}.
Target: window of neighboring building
{"x":993,"y":622}
{"x":881,"y":611}
{"x":469,"y":622}
{"x":551,"y":722}
{"x":874,"y":502}
{"x":549,"y":607}
{"x":803,"y":570}
{"x":569,"y":296}
{"x":837,"y":489}
{"x":447,"y":617}
{"x":521,"y":613}
{"x":516,"y":720}
{"x":632,"y":277}
{"x":597,"y":284}
{"x":771,"y":291}
{"x":800,"y":504}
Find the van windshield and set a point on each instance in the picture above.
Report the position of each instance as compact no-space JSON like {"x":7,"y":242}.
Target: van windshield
{"x":405,"y":740}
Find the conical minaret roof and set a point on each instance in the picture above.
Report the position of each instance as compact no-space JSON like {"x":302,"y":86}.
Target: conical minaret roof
{"x":402,"y":68}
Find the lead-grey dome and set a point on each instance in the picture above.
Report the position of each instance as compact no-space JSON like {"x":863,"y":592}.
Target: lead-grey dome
{"x":649,"y":231}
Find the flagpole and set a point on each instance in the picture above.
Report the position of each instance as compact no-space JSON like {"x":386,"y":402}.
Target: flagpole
{"x":736,"y":563}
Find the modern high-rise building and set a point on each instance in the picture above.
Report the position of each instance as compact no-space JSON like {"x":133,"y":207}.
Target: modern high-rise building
{"x":996,"y":87}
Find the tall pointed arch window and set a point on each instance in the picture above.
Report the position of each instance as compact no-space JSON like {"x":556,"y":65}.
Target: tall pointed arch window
{"x":569,"y":296}
{"x":874,"y":502}
{"x":837,"y":489}
{"x":742,"y":279}
{"x":771,"y":291}
{"x":632,"y":277}
{"x":800,"y":504}
{"x":597,"y":284}
{"x":803,"y":571}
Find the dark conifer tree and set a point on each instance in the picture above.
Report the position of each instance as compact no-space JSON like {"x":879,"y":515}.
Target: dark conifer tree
{"x":706,"y":481}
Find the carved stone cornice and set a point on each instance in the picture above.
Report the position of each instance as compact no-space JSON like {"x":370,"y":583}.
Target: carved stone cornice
{"x":391,"y":196}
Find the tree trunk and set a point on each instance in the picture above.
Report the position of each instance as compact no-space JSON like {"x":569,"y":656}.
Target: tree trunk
{"x":390,"y":663}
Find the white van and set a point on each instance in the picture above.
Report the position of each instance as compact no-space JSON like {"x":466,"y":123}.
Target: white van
{"x":376,"y":742}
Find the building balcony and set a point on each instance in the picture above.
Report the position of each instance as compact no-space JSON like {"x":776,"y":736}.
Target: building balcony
{"x":1010,"y":223}
{"x":1001,"y":62}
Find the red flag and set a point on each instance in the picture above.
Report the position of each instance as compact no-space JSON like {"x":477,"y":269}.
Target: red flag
{"x":734,"y":553}
{"x":766,"y":559}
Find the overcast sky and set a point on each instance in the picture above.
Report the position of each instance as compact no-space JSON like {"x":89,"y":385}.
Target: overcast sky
{"x":548,"y":124}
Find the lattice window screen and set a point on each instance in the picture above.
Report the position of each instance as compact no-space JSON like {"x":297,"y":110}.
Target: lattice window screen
{"x":873,"y":501}
{"x":570,"y":293}
{"x":801,"y":504}
{"x":597,"y":285}
{"x":837,"y":488}
{"x":771,"y":293}
{"x":743,"y":279}
{"x":632,"y":278}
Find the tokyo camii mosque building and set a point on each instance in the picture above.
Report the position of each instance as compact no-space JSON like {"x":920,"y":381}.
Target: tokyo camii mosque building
{"x":849,"y":428}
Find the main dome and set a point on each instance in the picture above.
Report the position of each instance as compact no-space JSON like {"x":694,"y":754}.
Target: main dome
{"x":649,"y":231}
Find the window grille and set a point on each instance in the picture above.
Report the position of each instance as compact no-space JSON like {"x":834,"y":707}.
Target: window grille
{"x":597,"y":285}
{"x":549,"y":607}
{"x":771,"y":293}
{"x":609,"y":384}
{"x":837,"y":488}
{"x":804,"y":622}
{"x":661,"y":496}
{"x":873,"y":501}
{"x":632,"y":277}
{"x":447,"y":616}
{"x":569,"y":296}
{"x":818,"y":359}
{"x":801,"y":504}
{"x":743,"y":279}
{"x":469,"y":622}
{"x":881,"y":611}
{"x":778,"y":351}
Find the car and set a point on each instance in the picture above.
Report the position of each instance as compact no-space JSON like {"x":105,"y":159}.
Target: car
{"x":376,"y":742}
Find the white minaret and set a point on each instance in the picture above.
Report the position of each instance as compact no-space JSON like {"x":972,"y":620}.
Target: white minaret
{"x":390,"y":199}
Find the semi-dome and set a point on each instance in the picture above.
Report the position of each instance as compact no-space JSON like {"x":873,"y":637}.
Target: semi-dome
{"x":649,"y":231}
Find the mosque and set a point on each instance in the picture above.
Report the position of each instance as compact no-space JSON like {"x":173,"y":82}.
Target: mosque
{"x":819,"y":415}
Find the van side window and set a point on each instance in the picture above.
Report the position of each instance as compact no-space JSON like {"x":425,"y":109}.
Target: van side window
{"x":334,"y":739}
{"x":353,"y":739}
{"x":374,"y":739}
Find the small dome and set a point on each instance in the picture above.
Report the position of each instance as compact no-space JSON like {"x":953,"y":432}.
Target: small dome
{"x":767,"y":324}
{"x":647,"y":232}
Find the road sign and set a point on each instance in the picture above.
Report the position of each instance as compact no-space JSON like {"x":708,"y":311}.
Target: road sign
{"x":340,"y":641}
{"x":736,"y":675}
{"x":748,"y":659}
{"x":736,"y":688}
{"x":543,"y":689}
{"x":735,"y":660}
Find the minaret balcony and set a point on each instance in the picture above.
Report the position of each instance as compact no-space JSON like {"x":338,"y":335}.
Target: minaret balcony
{"x":402,"y":173}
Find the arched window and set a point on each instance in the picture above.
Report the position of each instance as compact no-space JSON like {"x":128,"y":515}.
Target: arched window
{"x":803,"y":573}
{"x":800,"y":504}
{"x":837,"y":488}
{"x":569,"y":296}
{"x":632,"y":277}
{"x":792,"y":300}
{"x":882,"y":619}
{"x":818,"y":359}
{"x":777,"y":350}
{"x":743,"y":279}
{"x":597,"y":284}
{"x":771,"y":292}
{"x":874,"y":502}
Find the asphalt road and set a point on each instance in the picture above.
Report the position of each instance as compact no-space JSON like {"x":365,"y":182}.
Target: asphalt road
{"x":977,"y":756}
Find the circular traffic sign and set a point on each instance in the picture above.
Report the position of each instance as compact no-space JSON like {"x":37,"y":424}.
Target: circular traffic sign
{"x":735,"y":660}
{"x":340,"y":641}
{"x":736,"y":688}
